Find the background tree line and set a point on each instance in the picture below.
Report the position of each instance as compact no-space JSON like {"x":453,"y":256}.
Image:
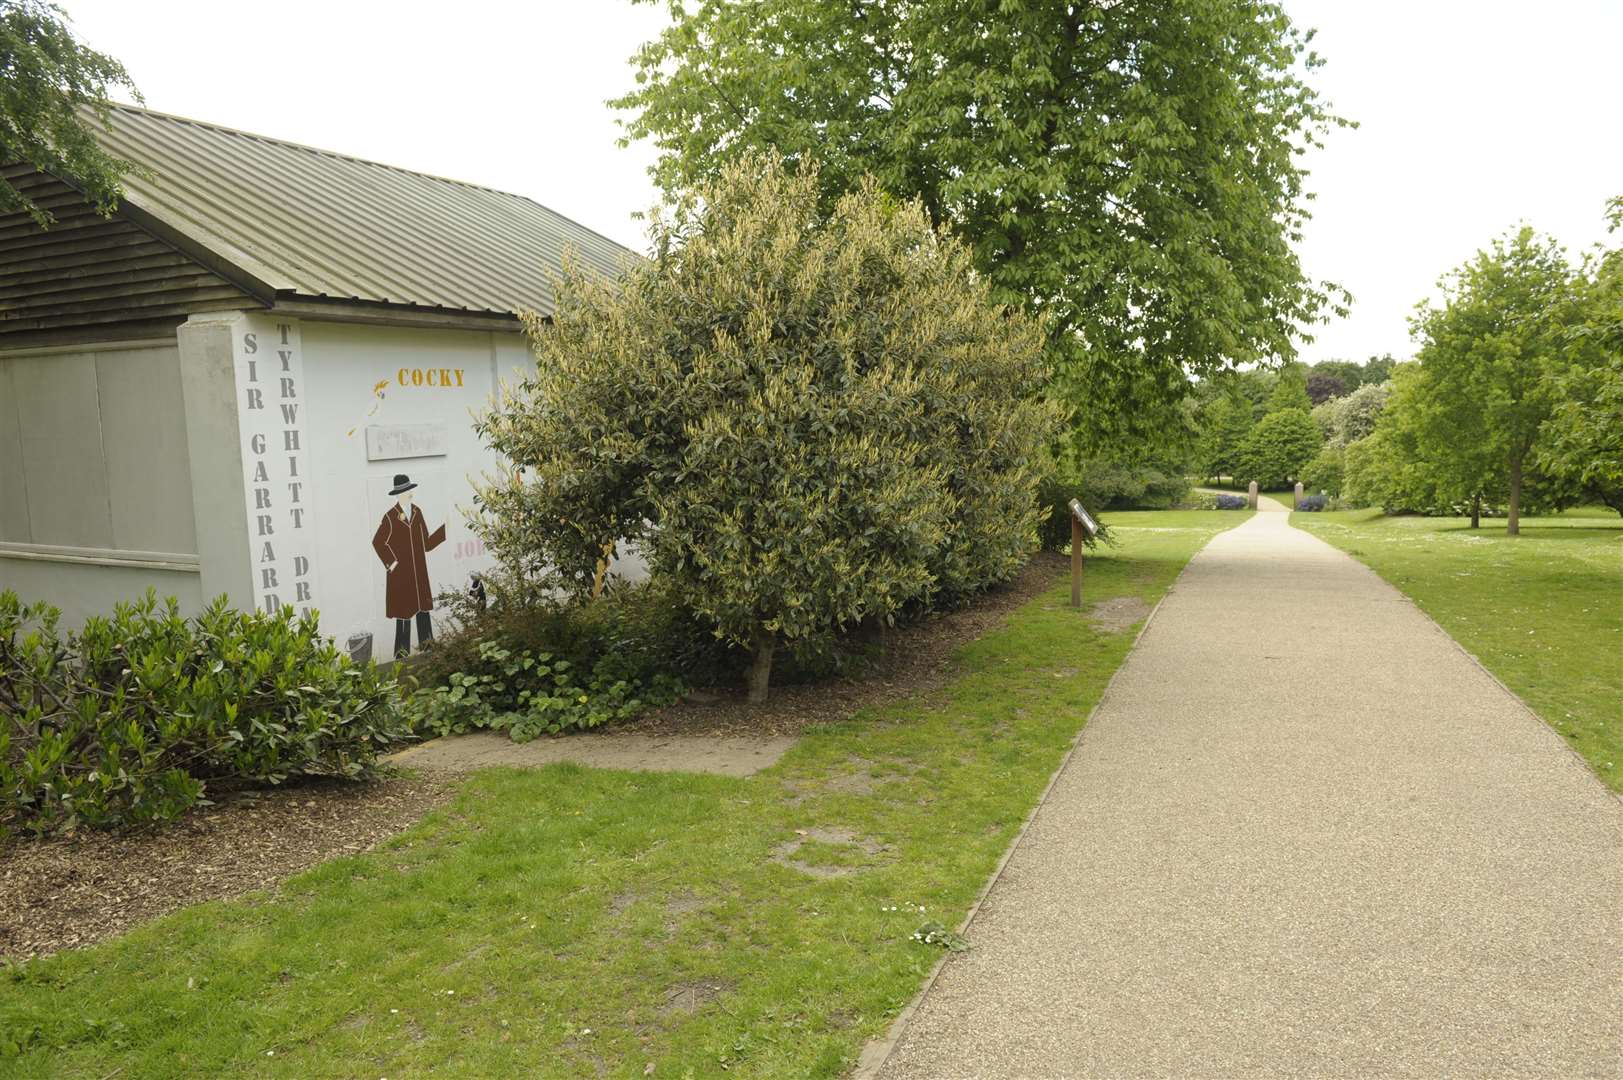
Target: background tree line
{"x":1513,"y":402}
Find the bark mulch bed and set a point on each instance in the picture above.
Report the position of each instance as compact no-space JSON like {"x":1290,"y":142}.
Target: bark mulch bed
{"x":917,"y":658}
{"x":75,"y":891}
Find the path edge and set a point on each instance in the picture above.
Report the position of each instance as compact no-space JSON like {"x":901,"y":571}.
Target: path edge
{"x":877,"y":1051}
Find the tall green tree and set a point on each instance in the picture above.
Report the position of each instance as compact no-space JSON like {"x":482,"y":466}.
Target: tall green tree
{"x":52,"y":91}
{"x":1131,"y":170}
{"x":1290,"y":390}
{"x":1582,"y":442}
{"x":1278,"y":448}
{"x":801,"y":418}
{"x":1486,"y":355}
{"x":1224,"y":422}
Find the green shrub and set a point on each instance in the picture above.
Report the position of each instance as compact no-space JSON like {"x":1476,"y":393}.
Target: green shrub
{"x":636,"y":629}
{"x":529,"y":694}
{"x":1145,"y":485}
{"x":127,"y":721}
{"x":803,"y":416}
{"x":1323,"y":473}
{"x":1054,"y":497}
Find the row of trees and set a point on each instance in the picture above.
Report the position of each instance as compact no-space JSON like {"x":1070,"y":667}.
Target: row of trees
{"x":1265,"y":425}
{"x":1514,"y":397}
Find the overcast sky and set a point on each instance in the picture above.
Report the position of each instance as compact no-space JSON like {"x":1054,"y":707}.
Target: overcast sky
{"x":1474,"y":115}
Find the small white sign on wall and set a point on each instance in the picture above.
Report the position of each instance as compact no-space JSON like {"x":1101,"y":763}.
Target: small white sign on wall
{"x":390,"y":442}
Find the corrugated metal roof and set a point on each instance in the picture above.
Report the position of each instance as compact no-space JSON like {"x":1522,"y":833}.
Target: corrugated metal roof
{"x":311,"y":223}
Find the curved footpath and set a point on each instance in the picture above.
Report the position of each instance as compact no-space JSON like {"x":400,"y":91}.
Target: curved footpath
{"x":1304,"y":834}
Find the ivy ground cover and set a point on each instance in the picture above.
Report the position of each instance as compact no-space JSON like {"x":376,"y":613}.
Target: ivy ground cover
{"x":1538,"y":610}
{"x":569,"y":921}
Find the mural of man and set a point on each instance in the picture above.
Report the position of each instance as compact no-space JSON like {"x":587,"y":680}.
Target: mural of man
{"x":403,"y":543}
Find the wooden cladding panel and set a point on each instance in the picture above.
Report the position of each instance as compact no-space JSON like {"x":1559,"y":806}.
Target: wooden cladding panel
{"x":86,"y":269}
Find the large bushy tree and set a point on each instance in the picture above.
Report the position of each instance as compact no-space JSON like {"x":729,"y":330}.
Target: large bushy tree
{"x":1224,"y":421}
{"x":52,"y":91}
{"x":1277,"y":449}
{"x":1487,"y":351}
{"x":1323,"y":386}
{"x":802,"y":415}
{"x":1350,"y":418}
{"x":1582,"y":441}
{"x":1289,"y":390}
{"x":1132,"y":170}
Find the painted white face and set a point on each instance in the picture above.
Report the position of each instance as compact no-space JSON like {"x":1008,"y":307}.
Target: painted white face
{"x":405,"y":500}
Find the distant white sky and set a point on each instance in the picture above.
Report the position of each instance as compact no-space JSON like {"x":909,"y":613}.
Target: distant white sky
{"x":1474,"y":114}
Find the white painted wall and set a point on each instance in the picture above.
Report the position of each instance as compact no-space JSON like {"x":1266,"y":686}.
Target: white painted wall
{"x":361,"y":376}
{"x":390,"y":377}
{"x":418,"y":389}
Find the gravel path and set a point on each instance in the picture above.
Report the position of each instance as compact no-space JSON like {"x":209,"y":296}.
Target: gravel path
{"x":1304,"y":834}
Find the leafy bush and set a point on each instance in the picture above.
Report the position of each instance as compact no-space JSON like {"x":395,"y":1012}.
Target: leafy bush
{"x":529,"y":694}
{"x":1278,"y":447}
{"x":1312,"y":503}
{"x":1150,"y":484}
{"x":1232,"y":502}
{"x":1348,"y":419}
{"x":803,"y":416}
{"x":128,"y":720}
{"x":1323,"y":473}
{"x":1054,"y":499}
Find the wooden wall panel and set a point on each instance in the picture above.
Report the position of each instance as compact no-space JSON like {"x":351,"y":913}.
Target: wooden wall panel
{"x":87,"y":270}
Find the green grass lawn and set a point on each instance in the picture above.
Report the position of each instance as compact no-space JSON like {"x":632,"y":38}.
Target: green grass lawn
{"x":572,"y":921}
{"x":1541,"y":610}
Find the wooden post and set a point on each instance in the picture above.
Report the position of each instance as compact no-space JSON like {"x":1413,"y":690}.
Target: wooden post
{"x":1076,"y":562}
{"x":1251,"y":495}
{"x":1298,"y":504}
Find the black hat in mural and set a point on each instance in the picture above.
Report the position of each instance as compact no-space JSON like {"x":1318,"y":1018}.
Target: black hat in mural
{"x":402,"y":482}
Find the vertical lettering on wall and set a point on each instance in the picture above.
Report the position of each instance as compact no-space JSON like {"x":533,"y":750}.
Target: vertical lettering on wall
{"x":271,"y":423}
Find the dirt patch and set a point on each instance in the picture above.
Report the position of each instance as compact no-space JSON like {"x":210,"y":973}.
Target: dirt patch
{"x":678,"y":908}
{"x":1118,"y":613}
{"x":724,"y":755}
{"x":917,"y":658}
{"x":859,"y":781}
{"x":66,"y":893}
{"x":687,"y":998}
{"x":786,"y":853}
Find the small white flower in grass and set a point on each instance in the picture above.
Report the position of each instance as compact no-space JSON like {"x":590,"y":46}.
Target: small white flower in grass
{"x":394,"y":1010}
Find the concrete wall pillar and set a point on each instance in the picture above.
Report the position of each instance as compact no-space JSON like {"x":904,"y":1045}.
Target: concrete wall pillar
{"x":209,"y":390}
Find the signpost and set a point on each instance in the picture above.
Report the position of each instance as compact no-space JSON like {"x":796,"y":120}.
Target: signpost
{"x":1081,"y":523}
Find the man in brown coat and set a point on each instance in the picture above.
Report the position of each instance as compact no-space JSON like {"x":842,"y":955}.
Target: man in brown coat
{"x":403,"y":543}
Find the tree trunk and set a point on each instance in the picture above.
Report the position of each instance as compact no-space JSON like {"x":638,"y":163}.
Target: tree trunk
{"x":761,"y":648}
{"x":1476,"y":510}
{"x":1513,"y":512}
